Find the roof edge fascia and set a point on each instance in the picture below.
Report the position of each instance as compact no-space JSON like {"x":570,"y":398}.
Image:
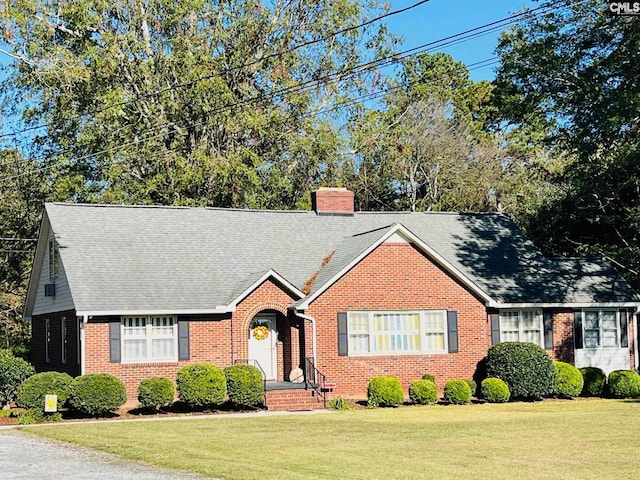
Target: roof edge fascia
{"x":565,"y":305}
{"x":36,"y":267}
{"x":269,"y":274}
{"x":423,"y":246}
{"x":183,"y":311}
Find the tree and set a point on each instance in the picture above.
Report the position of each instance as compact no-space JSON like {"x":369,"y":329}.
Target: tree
{"x":192,"y":102}
{"x":426,"y":149}
{"x":572,"y":74}
{"x":23,"y":189}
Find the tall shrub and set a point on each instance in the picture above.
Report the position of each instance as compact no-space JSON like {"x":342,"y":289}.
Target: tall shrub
{"x":385,"y":391}
{"x":245,"y":386}
{"x":97,"y":394}
{"x":13,"y":371}
{"x":595,"y":381}
{"x":525,"y":367}
{"x":568,"y":382}
{"x":201,"y":385}
{"x":32,"y":391}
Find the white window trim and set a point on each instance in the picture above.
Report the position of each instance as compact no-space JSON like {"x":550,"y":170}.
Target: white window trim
{"x":63,"y":339}
{"x":423,"y":331}
{"x":520,"y":323}
{"x":47,"y":341}
{"x":601,"y":330}
{"x":148,"y":336}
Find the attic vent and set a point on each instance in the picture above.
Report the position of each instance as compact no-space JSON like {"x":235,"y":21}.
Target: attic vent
{"x":50,"y":290}
{"x":332,"y":201}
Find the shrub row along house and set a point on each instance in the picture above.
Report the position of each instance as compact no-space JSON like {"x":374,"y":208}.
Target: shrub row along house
{"x":142,"y":291}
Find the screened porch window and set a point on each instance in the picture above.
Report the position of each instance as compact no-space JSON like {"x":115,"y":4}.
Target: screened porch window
{"x":383,"y":333}
{"x":149,"y":339}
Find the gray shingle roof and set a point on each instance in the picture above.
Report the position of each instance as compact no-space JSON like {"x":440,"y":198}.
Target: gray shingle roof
{"x":172,"y":258}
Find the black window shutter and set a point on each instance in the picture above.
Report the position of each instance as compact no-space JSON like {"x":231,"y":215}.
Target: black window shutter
{"x":114,"y":342}
{"x":624,"y":335}
{"x":577,"y":329}
{"x":495,"y":328}
{"x":343,"y":337}
{"x":452,"y":327}
{"x":547,"y":320}
{"x":183,"y":340}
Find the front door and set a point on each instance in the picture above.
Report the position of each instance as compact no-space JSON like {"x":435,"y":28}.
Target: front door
{"x":262,"y":344}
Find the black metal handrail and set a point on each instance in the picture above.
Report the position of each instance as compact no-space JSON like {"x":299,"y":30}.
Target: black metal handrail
{"x":256,"y":364}
{"x":315,"y":379}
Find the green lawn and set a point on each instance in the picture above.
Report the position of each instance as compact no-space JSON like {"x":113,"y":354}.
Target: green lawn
{"x":581,"y":439}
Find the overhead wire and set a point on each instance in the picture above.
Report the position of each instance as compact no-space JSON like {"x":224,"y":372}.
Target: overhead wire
{"x":333,"y":77}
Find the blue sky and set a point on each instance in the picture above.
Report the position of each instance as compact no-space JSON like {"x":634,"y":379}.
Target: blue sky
{"x":437,"y":19}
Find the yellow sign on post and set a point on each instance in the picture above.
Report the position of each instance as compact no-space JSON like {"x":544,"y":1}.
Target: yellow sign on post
{"x":50,"y":403}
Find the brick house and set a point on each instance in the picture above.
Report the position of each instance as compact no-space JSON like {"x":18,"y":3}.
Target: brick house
{"x":142,"y":291}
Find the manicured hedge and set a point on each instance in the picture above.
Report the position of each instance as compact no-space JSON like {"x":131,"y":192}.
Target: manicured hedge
{"x":423,"y":392}
{"x":155,"y":392}
{"x":428,"y":376}
{"x":624,"y":384}
{"x":595,"y":381}
{"x":525,"y":367}
{"x":201,"y":385}
{"x":472,"y":385}
{"x":13,"y":371}
{"x":97,"y":394}
{"x":385,"y":391}
{"x":32,"y":391}
{"x":494,"y":390}
{"x":568,"y":382}
{"x":457,"y":392}
{"x":245,"y":386}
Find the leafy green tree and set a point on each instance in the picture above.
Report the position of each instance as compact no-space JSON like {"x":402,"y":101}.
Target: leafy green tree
{"x":192,"y":102}
{"x":427,"y":148}
{"x":571,"y":77}
{"x":23,"y":189}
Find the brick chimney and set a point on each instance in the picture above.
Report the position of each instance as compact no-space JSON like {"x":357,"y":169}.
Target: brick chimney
{"x":332,"y":201}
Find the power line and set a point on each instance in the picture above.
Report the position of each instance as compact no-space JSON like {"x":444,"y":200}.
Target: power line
{"x":305,"y":85}
{"x":227,"y":71}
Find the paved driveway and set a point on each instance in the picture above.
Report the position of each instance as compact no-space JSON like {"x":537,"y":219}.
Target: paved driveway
{"x":25,"y":457}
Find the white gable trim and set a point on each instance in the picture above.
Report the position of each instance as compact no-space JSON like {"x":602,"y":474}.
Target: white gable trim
{"x":269,"y":274}
{"x":400,"y":230}
{"x":193,"y":311}
{"x":36,"y":269}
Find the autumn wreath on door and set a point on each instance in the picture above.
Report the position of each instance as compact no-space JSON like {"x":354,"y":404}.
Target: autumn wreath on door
{"x":260,"y":332}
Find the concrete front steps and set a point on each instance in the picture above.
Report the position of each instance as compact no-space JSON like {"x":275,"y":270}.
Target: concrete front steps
{"x":280,"y":398}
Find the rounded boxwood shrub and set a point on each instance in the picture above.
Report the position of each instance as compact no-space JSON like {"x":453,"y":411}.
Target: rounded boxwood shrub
{"x":155,"y":392}
{"x":457,"y":392}
{"x":429,"y":377}
{"x":595,"y":381}
{"x":423,"y":392}
{"x":245,"y":386}
{"x":568,"y":382}
{"x":96,"y":394}
{"x":525,"y":367}
{"x":32,"y":391}
{"x":494,"y":390}
{"x":201,"y":385}
{"x":624,"y":384}
{"x":13,"y":371}
{"x":385,"y":391}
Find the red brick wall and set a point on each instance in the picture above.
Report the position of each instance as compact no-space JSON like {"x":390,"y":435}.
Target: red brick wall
{"x":213,"y":339}
{"x":563,"y":348}
{"x":398,"y":277}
